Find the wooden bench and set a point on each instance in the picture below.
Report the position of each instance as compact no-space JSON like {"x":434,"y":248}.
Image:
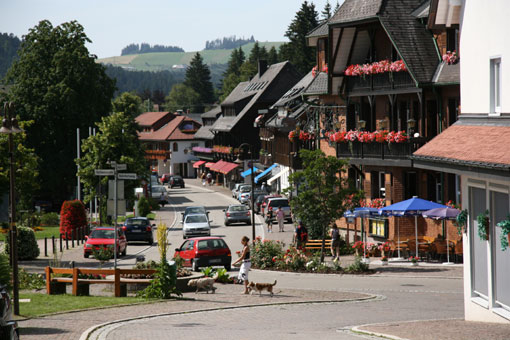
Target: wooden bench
{"x":56,"y":284}
{"x":315,"y":245}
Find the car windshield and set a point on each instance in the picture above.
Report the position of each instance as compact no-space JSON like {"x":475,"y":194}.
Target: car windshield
{"x":177,"y":177}
{"x":279,"y":203}
{"x":245,"y":188}
{"x":136,"y":222}
{"x":239,"y":208}
{"x":158,"y":189}
{"x":196,"y":219}
{"x":211,"y":244}
{"x":194,"y":210}
{"x":102,"y":233}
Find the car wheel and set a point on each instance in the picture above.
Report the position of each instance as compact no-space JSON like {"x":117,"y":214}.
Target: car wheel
{"x":150,"y":242}
{"x":227,"y":224}
{"x":86,"y":255}
{"x":289,"y":220}
{"x":228,"y":267}
{"x":194,"y":266}
{"x":248,"y":223}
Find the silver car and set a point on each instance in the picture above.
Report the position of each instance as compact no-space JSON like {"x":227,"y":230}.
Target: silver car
{"x":196,"y":225}
{"x":274,"y":203}
{"x":237,"y":213}
{"x":160,"y":194}
{"x":235,"y":191}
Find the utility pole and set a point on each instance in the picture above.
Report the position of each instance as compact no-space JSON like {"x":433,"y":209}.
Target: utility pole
{"x":78,"y":186}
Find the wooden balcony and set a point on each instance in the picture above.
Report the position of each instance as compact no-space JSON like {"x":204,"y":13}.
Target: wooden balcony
{"x":157,"y":154}
{"x":379,"y":151}
{"x":266,"y":159}
{"x":379,"y":82}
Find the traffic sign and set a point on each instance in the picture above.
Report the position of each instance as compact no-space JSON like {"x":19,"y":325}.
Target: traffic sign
{"x":126,"y":175}
{"x":104,"y":172}
{"x":121,"y":167}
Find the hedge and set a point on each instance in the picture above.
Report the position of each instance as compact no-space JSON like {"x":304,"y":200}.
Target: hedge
{"x":72,"y":217}
{"x":27,"y":244}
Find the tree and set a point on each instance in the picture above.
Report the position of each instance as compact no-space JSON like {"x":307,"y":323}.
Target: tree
{"x":198,"y":77}
{"x":117,"y":140}
{"x":58,"y":85}
{"x":9,"y":45}
{"x":322,"y":192}
{"x":337,"y":7}
{"x":326,"y":12}
{"x":272,"y":56}
{"x":231,"y":77}
{"x":129,"y":103}
{"x":182,"y":97}
{"x":301,"y":55}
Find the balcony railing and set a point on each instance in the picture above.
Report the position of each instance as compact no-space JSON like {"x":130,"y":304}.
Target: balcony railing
{"x":380,"y":82}
{"x":391,"y":151}
{"x":266,"y":159}
{"x":157,"y":154}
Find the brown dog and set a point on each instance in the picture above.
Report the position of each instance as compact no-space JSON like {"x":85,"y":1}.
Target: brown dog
{"x":206,"y":283}
{"x":261,"y":286}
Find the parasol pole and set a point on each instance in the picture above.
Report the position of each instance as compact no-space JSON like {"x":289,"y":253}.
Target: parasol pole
{"x":398,"y":237}
{"x":416,"y":233}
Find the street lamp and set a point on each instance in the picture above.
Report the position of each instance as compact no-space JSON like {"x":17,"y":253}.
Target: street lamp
{"x":10,"y":127}
{"x":252,"y":198}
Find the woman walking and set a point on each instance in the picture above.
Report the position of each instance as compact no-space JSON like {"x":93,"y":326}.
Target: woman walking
{"x":269,"y":220}
{"x":246,"y":263}
{"x":335,"y":243}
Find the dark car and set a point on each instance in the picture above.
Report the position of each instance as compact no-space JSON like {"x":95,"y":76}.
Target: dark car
{"x":104,"y":237}
{"x":8,"y":327}
{"x":176,"y":181}
{"x":237,"y":213}
{"x":257,"y":201}
{"x":138,"y":229}
{"x":204,"y":252}
{"x":194,"y":210}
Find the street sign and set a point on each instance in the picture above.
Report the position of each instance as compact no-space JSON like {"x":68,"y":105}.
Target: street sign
{"x":121,"y":167}
{"x":126,"y":175}
{"x":103,"y":172}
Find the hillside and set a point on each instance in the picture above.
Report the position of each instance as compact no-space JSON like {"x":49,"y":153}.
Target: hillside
{"x":165,"y":60}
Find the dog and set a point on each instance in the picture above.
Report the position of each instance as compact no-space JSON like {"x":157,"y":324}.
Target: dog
{"x":261,"y":286}
{"x":205,"y":283}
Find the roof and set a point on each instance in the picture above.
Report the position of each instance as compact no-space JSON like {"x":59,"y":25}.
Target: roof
{"x":150,"y":118}
{"x":237,"y":94}
{"x":212,"y":113}
{"x":356,"y":10}
{"x":447,"y":74}
{"x":197,"y":117}
{"x":296,"y":90}
{"x":204,"y":133}
{"x":287,"y":122}
{"x":319,"y":85}
{"x":169,"y":131}
{"x":422,"y":11}
{"x":320,"y":31}
{"x":223,"y":124}
{"x":476,"y":145}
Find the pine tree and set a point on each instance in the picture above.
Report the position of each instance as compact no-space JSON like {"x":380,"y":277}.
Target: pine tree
{"x":272,"y":56}
{"x":337,"y":7}
{"x":198,"y":77}
{"x":326,"y":12}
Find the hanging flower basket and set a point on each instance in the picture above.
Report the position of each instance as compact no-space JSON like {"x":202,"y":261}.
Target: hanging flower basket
{"x":505,"y":233}
{"x":293,"y":135}
{"x":461,"y":221}
{"x":483,"y":225}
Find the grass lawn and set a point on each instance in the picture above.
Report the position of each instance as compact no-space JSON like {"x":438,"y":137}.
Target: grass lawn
{"x":48,"y":232}
{"x":45,"y":304}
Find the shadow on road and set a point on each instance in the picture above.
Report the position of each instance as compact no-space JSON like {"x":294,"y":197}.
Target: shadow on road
{"x":41,"y":330}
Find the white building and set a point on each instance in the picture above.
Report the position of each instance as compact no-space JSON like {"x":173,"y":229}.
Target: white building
{"x":477,"y":149}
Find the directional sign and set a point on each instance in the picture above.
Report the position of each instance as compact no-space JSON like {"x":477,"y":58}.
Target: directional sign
{"x":103,"y":172}
{"x":126,"y":175}
{"x":121,"y":167}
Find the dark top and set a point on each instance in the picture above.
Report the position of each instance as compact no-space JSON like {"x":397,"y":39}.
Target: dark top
{"x":335,"y":233}
{"x":247,"y":256}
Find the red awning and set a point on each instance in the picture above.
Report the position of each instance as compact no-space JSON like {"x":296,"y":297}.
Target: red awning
{"x":216,"y":166}
{"x":228,"y":167}
{"x":209,"y":164}
{"x":198,"y":163}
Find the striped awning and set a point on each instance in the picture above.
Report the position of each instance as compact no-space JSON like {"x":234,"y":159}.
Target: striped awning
{"x":209,"y":164}
{"x":198,"y":163}
{"x":228,"y":168}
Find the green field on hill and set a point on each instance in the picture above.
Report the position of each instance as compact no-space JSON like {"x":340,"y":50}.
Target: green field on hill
{"x":165,"y":60}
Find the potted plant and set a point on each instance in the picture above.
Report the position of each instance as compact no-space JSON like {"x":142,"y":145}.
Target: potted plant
{"x":366,"y":258}
{"x":505,"y":233}
{"x":358,"y":246}
{"x":483,"y":225}
{"x":414,"y":260}
{"x":384,"y":260}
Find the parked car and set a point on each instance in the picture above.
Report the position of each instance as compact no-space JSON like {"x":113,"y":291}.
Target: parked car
{"x":102,"y":237}
{"x":235,"y":190}
{"x":176,"y":181}
{"x":259,"y":196}
{"x":196,"y":224}
{"x":263,"y":205}
{"x":246,"y":196}
{"x":160,"y":194}
{"x":237,"y":213}
{"x":204,"y":252}
{"x":275,"y":202}
{"x":138,"y":229}
{"x":194,"y":210}
{"x":165,"y":178}
{"x":258,"y":202}
{"x":8,"y":327}
{"x":242,"y":189}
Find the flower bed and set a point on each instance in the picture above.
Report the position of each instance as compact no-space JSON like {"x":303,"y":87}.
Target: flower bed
{"x":377,"y":67}
{"x":378,"y":136}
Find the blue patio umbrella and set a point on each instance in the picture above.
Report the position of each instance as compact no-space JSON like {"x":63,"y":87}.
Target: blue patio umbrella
{"x":362,"y":212}
{"x":447,"y":213}
{"x":412,"y":207}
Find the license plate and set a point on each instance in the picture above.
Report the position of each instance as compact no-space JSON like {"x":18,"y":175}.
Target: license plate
{"x":215,"y":261}
{"x":136,"y":231}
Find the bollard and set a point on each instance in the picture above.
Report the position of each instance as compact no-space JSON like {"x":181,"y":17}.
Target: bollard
{"x":46,"y":247}
{"x":53,"y":244}
{"x":67,"y":240}
{"x":60,"y":237}
{"x":72,"y":238}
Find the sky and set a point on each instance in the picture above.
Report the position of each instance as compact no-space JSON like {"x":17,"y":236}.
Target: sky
{"x":114,"y":24}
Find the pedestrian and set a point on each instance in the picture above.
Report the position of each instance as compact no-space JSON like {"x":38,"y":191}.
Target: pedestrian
{"x":279,"y":218}
{"x":269,"y":220}
{"x":300,"y":235}
{"x":335,"y":243}
{"x":263,"y":187}
{"x":246,"y":263}
{"x":209,"y":178}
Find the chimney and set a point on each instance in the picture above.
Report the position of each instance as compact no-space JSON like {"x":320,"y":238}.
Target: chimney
{"x":262,"y":67}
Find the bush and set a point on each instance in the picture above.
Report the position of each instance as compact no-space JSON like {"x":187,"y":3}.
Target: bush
{"x":30,"y":219}
{"x":5,"y":271}
{"x":50,"y":219}
{"x":264,"y":252}
{"x":30,"y":280}
{"x":143,"y":207}
{"x":72,"y":217}
{"x":357,"y":266}
{"x":163,"y":285}
{"x":27,"y":244}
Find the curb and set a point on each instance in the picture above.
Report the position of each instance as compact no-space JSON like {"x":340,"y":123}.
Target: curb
{"x":89,"y":332}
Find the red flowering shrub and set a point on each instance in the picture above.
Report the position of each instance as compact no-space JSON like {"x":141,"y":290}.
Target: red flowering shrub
{"x":72,"y":216}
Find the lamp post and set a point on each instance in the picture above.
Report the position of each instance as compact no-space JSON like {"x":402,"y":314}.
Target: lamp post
{"x":9,"y":127}
{"x":252,"y":198}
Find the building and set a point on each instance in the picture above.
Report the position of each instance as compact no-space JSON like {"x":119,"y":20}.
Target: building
{"x":476,"y":149}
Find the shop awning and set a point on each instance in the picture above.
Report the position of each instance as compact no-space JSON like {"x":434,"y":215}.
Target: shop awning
{"x":217,"y":166}
{"x":209,"y":164}
{"x":278,"y":175}
{"x":198,"y":163}
{"x":226,"y":168}
{"x":248,"y":172}
{"x":265,"y":172}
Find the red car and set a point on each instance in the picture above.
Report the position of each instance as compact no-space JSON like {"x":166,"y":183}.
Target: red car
{"x":165,"y":178}
{"x":262,"y":208}
{"x":205,"y":251}
{"x":102,"y":237}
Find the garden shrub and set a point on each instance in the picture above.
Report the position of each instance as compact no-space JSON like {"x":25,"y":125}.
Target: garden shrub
{"x":5,"y":271}
{"x":143,"y":207}
{"x":262,"y":253}
{"x":72,"y":217}
{"x":357,"y":266}
{"x":30,"y":219}
{"x":30,"y":280}
{"x":27,"y":244}
{"x":50,"y":219}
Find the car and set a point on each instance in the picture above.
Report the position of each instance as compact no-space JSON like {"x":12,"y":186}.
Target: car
{"x":259,"y":196}
{"x":176,"y":181}
{"x":194,"y":210}
{"x":237,"y":213}
{"x":246,"y":196}
{"x":165,"y":178}
{"x":102,"y":237}
{"x":8,"y":327}
{"x":264,"y":203}
{"x":235,"y":191}
{"x":138,"y":229}
{"x":160,"y":194}
{"x":275,"y":202}
{"x":258,"y":202}
{"x":242,"y":189}
{"x":204,"y":252}
{"x":196,"y":224}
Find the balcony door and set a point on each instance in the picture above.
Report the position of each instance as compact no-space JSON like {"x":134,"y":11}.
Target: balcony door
{"x":431,"y":117}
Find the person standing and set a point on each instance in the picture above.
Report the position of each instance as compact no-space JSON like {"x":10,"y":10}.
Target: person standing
{"x":279,"y":218}
{"x":300,"y":235}
{"x":269,"y":220}
{"x":245,"y":261}
{"x":335,"y":243}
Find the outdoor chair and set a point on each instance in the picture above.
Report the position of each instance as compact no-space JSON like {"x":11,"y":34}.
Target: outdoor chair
{"x":395,"y":247}
{"x":459,"y":251}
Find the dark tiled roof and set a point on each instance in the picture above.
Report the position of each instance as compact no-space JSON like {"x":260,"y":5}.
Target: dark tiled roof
{"x":413,"y":41}
{"x":422,"y":11}
{"x":212,"y":113}
{"x":447,"y":74}
{"x":224,"y":124}
{"x":278,"y":121}
{"x":319,"y":85}
{"x":356,"y":10}
{"x":319,"y":31}
{"x":204,"y":133}
{"x":197,"y":117}
{"x":237,"y":94}
{"x":295,"y":91}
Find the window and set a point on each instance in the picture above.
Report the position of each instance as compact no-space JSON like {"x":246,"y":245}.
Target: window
{"x":411,"y":187}
{"x":495,"y":86}
{"x":378,"y":184}
{"x":175,"y":147}
{"x":378,"y":227}
{"x":452,"y":42}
